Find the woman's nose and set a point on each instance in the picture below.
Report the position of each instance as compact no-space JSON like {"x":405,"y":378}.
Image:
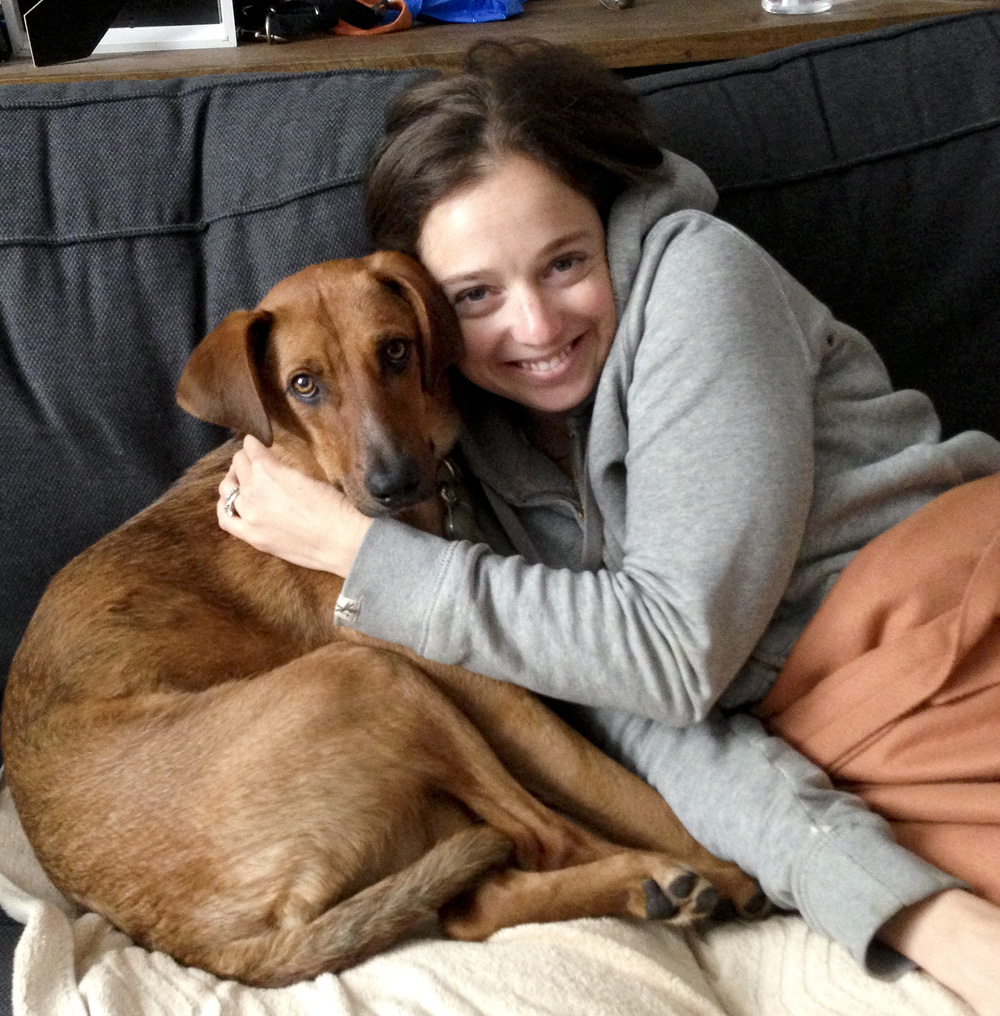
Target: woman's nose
{"x":536,"y":320}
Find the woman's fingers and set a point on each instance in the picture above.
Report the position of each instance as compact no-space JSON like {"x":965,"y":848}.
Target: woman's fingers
{"x":230,"y":491}
{"x":254,"y":449}
{"x":283,"y":512}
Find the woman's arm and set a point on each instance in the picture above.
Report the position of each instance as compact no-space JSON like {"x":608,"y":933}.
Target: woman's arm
{"x":752,"y":798}
{"x":710,"y":386}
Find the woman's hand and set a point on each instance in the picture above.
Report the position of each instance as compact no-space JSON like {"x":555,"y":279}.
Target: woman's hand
{"x":283,"y":512}
{"x":955,"y":937}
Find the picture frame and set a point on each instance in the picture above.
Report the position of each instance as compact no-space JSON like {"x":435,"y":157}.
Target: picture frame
{"x":145,"y":26}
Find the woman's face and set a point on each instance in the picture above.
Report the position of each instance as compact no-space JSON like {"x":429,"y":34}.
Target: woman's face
{"x":521,"y":256}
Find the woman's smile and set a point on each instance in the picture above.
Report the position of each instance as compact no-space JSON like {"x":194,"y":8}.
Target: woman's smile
{"x":547,"y":365}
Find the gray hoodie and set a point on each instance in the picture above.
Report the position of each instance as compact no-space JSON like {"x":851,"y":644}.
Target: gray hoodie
{"x":739,"y":447}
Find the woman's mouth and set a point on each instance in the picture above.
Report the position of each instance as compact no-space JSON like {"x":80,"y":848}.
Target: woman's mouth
{"x":547,"y":364}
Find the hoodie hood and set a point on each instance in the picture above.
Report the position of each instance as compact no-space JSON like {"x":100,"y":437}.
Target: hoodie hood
{"x":494,"y":445}
{"x":682,"y":185}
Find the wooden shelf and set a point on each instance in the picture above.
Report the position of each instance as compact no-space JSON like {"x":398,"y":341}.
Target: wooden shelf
{"x":651,"y":33}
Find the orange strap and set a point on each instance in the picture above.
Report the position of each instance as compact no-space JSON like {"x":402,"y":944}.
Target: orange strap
{"x":403,"y":20}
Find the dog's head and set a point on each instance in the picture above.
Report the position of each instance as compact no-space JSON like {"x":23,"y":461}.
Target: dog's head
{"x":342,"y":368}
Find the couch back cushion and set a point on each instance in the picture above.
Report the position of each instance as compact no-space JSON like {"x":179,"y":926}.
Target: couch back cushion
{"x":869,"y":166}
{"x":133,"y":217}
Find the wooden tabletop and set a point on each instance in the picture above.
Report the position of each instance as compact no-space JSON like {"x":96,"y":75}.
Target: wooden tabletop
{"x":650,"y":33}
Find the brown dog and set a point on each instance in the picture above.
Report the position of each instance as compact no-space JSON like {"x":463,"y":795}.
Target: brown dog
{"x":197,"y":752}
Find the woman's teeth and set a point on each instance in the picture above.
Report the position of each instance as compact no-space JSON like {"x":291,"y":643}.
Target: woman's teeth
{"x":541,"y":366}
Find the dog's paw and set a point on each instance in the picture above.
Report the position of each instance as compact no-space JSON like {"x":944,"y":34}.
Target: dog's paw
{"x":757,"y":907}
{"x":684,"y":900}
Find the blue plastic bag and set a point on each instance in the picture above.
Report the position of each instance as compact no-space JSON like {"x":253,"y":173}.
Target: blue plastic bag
{"x":466,"y":11}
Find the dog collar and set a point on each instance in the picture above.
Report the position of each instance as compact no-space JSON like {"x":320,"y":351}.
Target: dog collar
{"x":459,"y":518}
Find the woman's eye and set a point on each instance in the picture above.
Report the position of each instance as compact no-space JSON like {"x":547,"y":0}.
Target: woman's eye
{"x":566,"y":262}
{"x":476,"y":295}
{"x":304,"y":386}
{"x":477,"y":302}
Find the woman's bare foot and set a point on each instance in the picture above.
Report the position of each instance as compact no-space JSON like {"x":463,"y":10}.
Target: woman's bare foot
{"x":955,"y":937}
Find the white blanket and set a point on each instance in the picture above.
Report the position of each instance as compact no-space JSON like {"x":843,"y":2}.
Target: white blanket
{"x":74,"y":964}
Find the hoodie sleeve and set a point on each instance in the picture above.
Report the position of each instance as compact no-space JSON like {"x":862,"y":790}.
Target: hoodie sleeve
{"x":751,"y":797}
{"x":711,"y":498}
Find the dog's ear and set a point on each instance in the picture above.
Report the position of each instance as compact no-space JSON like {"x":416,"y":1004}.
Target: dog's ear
{"x":220,"y":383}
{"x":441,"y":337}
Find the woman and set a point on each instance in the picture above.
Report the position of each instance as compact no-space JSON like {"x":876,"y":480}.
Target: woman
{"x":681,"y":451}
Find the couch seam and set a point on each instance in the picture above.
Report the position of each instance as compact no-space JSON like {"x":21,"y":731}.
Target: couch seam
{"x":199,"y":226}
{"x":885,"y":154}
{"x":222,"y":81}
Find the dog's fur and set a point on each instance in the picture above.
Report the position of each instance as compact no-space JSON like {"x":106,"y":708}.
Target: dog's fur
{"x":199,"y":754}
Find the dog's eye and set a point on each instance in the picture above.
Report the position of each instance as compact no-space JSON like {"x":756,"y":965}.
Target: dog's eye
{"x":303,"y":386}
{"x":395,"y":354}
{"x":396,"y":350}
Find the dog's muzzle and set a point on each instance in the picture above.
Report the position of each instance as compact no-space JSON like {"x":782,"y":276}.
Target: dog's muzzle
{"x":395,"y":483}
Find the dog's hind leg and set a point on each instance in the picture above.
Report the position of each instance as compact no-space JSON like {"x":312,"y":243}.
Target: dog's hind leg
{"x":629,"y":882}
{"x":571,"y":774}
{"x":367,"y":922}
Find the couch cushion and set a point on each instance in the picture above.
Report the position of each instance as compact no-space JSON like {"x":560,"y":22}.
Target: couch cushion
{"x":140,"y":214}
{"x":869,"y":167}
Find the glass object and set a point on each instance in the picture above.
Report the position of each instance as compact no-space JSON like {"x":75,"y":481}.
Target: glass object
{"x":796,"y":6}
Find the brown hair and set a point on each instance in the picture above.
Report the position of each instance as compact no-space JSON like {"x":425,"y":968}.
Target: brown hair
{"x":551,"y":103}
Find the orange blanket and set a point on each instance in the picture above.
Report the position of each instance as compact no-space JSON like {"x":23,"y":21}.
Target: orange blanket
{"x":894,"y":686}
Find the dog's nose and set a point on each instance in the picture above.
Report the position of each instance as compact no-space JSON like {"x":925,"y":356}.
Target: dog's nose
{"x":395,"y":483}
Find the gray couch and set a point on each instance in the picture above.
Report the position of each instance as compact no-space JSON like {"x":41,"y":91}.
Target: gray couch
{"x":135,"y":215}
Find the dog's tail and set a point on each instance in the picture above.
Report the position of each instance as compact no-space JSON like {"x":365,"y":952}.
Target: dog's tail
{"x":367,"y":922}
